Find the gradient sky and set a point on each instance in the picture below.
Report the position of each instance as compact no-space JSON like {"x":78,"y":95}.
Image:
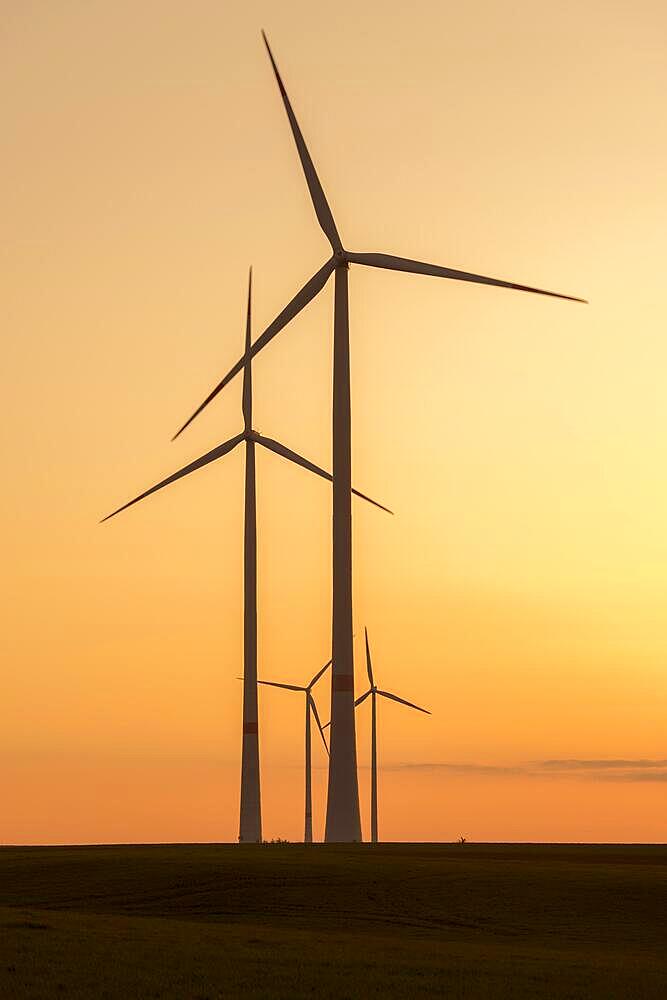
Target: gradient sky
{"x":519,"y":592}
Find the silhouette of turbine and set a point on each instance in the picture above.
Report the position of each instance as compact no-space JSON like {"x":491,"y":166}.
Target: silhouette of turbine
{"x":310,"y":706}
{"x":374,"y":693}
{"x":250,"y":824}
{"x":342,"y":823}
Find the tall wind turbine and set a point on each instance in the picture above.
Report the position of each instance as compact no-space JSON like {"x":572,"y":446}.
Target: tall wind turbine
{"x":376,"y":693}
{"x":310,"y":707}
{"x":250,"y":825}
{"x":343,"y":823}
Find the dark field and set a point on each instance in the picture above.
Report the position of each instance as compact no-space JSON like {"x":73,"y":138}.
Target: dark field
{"x":284,"y":921}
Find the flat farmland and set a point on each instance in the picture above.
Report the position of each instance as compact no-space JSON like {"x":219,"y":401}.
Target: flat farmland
{"x":395,"y":920}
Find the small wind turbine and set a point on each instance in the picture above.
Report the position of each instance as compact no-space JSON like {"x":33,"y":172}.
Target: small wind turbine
{"x":343,"y":822}
{"x":250,"y":824}
{"x":374,"y":693}
{"x":310,"y":706}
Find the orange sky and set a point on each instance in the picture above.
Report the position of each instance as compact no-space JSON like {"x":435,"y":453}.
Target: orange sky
{"x":519,"y":591}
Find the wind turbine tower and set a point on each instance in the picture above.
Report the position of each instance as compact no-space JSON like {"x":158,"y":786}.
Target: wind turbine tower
{"x":343,"y":822}
{"x":250,"y":821}
{"x":375,"y":692}
{"x":310,"y":707}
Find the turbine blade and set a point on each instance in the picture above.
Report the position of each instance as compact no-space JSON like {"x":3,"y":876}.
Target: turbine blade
{"x":417,"y":267}
{"x":363,"y":697}
{"x":320,"y":204}
{"x":247,"y":369}
{"x":292,"y":309}
{"x":402,"y":701}
{"x":369,"y":665}
{"x":319,"y":674}
{"x":277,"y":684}
{"x":317,"y":720}
{"x":210,"y":456}
{"x":293,"y":456}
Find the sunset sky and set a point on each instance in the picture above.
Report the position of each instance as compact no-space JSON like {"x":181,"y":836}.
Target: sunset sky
{"x":520,"y":590}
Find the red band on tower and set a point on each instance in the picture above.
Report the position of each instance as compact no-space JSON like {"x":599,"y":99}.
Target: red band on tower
{"x":344,"y":682}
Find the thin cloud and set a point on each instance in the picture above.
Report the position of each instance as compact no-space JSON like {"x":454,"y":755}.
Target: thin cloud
{"x":574,"y":764}
{"x":632,"y":776}
{"x":603,"y":769}
{"x":457,"y":768}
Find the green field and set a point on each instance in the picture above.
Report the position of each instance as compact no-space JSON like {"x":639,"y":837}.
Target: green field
{"x":397,"y":920}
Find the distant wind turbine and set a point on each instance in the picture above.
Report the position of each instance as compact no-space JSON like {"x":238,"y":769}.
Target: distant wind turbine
{"x":250,"y":825}
{"x":310,"y":707}
{"x":374,"y":693}
{"x":343,"y":822}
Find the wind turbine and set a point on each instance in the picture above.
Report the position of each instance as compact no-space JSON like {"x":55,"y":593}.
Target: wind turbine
{"x":375,"y":693}
{"x":250,"y":824}
{"x":343,"y":822}
{"x":310,"y":706}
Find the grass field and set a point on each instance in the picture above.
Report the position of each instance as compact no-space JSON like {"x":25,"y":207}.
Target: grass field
{"x":490,"y":921}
